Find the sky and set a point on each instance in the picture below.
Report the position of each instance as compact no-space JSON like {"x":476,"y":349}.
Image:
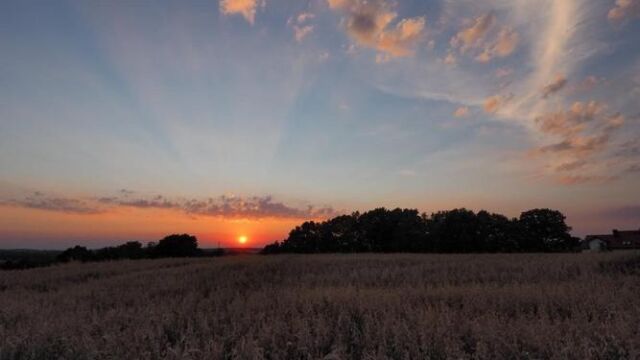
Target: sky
{"x":124,"y":120}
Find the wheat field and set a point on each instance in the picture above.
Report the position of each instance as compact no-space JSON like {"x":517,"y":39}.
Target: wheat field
{"x":398,"y":306}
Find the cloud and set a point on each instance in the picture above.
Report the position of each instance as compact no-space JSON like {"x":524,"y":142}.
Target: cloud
{"x":300,"y":26}
{"x":585,"y":179}
{"x":246,"y":8}
{"x":628,"y":149}
{"x":572,"y":165}
{"x":369,"y":23}
{"x":574,"y":139}
{"x":492,"y":104}
{"x":560,"y":38}
{"x":233,"y":207}
{"x":506,"y":43}
{"x":473,"y":36}
{"x":556,"y":47}
{"x":157,"y":202}
{"x":570,"y":122}
{"x":39,"y":201}
{"x":254,"y":207}
{"x":588,"y":84}
{"x":476,"y":38}
{"x":503,"y":46}
{"x":623,"y":9}
{"x":450,"y":59}
{"x":555,"y":86}
{"x":303,"y":17}
{"x":399,"y":40}
{"x":462,"y":111}
{"x":582,"y":133}
{"x":300,"y":32}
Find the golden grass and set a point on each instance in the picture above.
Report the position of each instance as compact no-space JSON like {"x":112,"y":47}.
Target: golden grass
{"x":364,"y":306}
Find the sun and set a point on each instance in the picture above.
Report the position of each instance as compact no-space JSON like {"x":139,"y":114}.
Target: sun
{"x":242,"y":239}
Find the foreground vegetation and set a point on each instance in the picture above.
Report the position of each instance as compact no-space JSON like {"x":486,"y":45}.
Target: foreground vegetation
{"x":360,"y":306}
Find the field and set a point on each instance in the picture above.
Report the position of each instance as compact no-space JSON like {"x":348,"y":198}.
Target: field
{"x":401,"y":306}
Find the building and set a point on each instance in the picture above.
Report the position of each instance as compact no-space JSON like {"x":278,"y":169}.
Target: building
{"x":617,"y":240}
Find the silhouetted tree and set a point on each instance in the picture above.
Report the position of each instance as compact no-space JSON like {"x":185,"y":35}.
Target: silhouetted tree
{"x":497,"y":232}
{"x":273,"y":248}
{"x":405,"y":230}
{"x":129,"y":250}
{"x":76,"y":253}
{"x":455,"y":230}
{"x":544,"y":230}
{"x":303,"y":239}
{"x":176,"y":246}
{"x":340,"y":234}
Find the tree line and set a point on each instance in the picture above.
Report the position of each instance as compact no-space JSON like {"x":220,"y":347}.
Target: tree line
{"x":452,"y":231}
{"x":176,"y":245}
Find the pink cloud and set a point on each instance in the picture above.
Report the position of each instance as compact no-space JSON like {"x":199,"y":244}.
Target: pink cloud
{"x":246,"y":8}
{"x":369,"y":23}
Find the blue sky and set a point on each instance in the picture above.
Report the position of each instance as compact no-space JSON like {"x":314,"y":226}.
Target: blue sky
{"x":335,"y":105}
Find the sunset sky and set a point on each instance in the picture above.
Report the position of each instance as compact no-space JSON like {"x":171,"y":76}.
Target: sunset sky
{"x":131,"y":120}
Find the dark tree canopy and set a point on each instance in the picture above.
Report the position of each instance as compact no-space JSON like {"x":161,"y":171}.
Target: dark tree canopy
{"x":129,"y":250}
{"x":546,"y":229}
{"x":76,"y":253}
{"x":406,"y":230}
{"x":175,"y":245}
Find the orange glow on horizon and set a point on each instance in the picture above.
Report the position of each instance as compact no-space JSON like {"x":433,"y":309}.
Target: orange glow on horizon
{"x":61,"y":230}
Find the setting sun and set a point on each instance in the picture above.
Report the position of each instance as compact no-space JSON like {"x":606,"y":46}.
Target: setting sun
{"x":242,"y":239}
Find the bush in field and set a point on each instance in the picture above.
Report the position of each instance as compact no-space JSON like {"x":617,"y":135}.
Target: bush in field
{"x":406,"y":230}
